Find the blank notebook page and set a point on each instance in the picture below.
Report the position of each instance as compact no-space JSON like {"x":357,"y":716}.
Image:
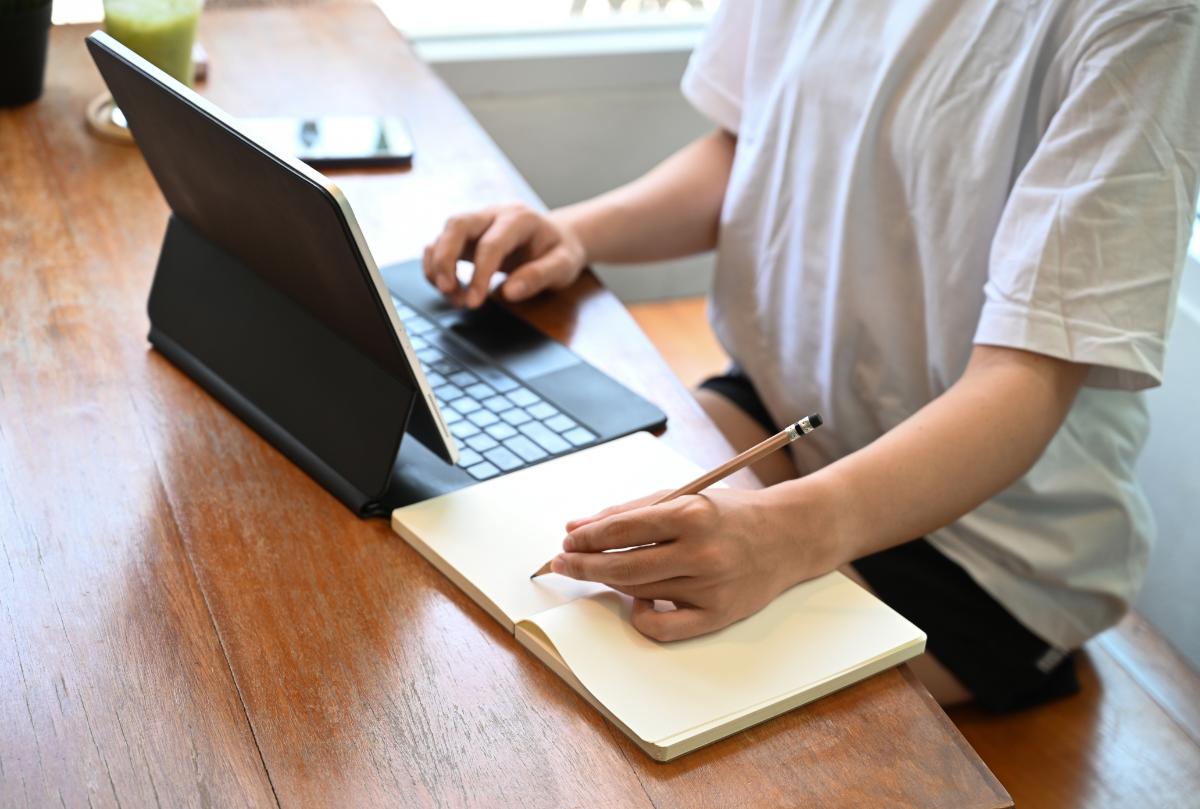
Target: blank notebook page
{"x":813,"y":633}
{"x":495,"y":534}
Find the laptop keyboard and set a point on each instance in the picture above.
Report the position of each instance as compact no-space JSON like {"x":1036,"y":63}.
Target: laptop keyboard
{"x":498,"y":423}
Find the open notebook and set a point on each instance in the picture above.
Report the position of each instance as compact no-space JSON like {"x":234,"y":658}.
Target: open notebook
{"x":669,"y":698}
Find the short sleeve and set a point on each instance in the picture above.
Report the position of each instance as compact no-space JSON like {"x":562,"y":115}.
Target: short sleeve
{"x":714,"y":77}
{"x":1088,"y":255}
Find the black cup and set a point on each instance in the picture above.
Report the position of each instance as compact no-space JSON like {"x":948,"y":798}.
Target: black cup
{"x":24,"y":35}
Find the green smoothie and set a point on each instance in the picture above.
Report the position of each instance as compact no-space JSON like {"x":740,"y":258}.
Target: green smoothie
{"x":161,"y":31}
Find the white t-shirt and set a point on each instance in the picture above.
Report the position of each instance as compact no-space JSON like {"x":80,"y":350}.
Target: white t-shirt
{"x":916,"y":176}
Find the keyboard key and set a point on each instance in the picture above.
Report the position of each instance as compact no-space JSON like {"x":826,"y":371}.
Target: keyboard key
{"x":443,"y":340}
{"x":417,"y":325}
{"x":560,"y":423}
{"x":402,"y":309}
{"x":435,"y":379}
{"x":418,"y":343}
{"x":503,"y":458}
{"x":428,"y":355}
{"x":501,"y":431}
{"x":522,"y":397}
{"x":497,"y":404}
{"x":450,"y":416}
{"x":447,"y":392}
{"x":545,"y":438}
{"x":444,"y":366}
{"x":472,"y":361}
{"x":525,"y":448}
{"x":463,"y":429}
{"x":481,"y":442}
{"x":483,"y":471}
{"x":542,"y":410}
{"x":480,"y":391}
{"x":515,"y":417}
{"x":484,"y":417}
{"x":579,"y":436}
{"x":468,"y":457}
{"x":463,"y":378}
{"x":465,"y":405}
{"x":497,"y":379}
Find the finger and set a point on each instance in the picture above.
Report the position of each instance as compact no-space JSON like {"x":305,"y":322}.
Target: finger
{"x":534,"y":276}
{"x":683,"y":589}
{"x":427,"y":264}
{"x":676,"y":624}
{"x":450,"y":245}
{"x":502,"y":238}
{"x":628,"y":529}
{"x":640,"y":566}
{"x":617,"y":509}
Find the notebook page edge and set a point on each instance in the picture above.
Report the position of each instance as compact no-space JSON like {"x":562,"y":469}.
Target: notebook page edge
{"x":917,"y":639}
{"x":901,"y":635}
{"x":531,"y":636}
{"x":718,"y":729}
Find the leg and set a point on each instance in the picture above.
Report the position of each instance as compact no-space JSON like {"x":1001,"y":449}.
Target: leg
{"x":943,"y":685}
{"x":744,"y":432}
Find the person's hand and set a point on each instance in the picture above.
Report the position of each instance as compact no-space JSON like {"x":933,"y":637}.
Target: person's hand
{"x":719,"y":557}
{"x":539,"y":251}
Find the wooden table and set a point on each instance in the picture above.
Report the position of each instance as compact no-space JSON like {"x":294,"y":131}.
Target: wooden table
{"x":187,"y":619}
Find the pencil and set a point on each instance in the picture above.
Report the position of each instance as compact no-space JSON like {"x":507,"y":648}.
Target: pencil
{"x":751,"y":456}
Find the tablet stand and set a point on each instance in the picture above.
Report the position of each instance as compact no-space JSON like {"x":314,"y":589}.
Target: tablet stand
{"x":313,"y":395}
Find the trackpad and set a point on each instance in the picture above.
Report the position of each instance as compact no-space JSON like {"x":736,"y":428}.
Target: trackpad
{"x":512,"y":343}
{"x":599,"y":401}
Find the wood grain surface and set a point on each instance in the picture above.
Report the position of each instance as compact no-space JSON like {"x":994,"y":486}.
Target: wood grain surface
{"x":1109,"y":747}
{"x":187,"y":619}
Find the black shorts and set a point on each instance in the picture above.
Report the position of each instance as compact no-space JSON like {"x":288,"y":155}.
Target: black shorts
{"x":1005,"y":666}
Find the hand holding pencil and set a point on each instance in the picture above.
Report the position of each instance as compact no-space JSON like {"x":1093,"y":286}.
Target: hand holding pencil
{"x":718,"y":558}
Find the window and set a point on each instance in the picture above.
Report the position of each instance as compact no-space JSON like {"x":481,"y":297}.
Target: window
{"x":419,"y":18}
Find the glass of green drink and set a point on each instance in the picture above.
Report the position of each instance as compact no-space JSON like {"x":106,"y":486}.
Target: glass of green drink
{"x":161,"y":31}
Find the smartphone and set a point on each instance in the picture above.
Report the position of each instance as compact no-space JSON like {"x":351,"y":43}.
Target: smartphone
{"x":336,"y":141}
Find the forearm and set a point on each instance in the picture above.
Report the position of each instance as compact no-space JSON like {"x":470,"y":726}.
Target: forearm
{"x":962,"y":448}
{"x":671,"y":211}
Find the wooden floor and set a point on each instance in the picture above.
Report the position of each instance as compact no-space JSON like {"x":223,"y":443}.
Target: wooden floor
{"x":1130,"y":739}
{"x":679,"y":330}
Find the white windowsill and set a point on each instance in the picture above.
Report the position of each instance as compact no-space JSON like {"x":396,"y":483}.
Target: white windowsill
{"x":624,"y":55}
{"x":583,"y":39}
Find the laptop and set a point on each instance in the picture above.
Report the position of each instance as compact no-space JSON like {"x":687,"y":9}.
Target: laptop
{"x":267,"y":295}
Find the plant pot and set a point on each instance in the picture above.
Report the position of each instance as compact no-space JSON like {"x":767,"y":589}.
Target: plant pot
{"x":24,"y":35}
